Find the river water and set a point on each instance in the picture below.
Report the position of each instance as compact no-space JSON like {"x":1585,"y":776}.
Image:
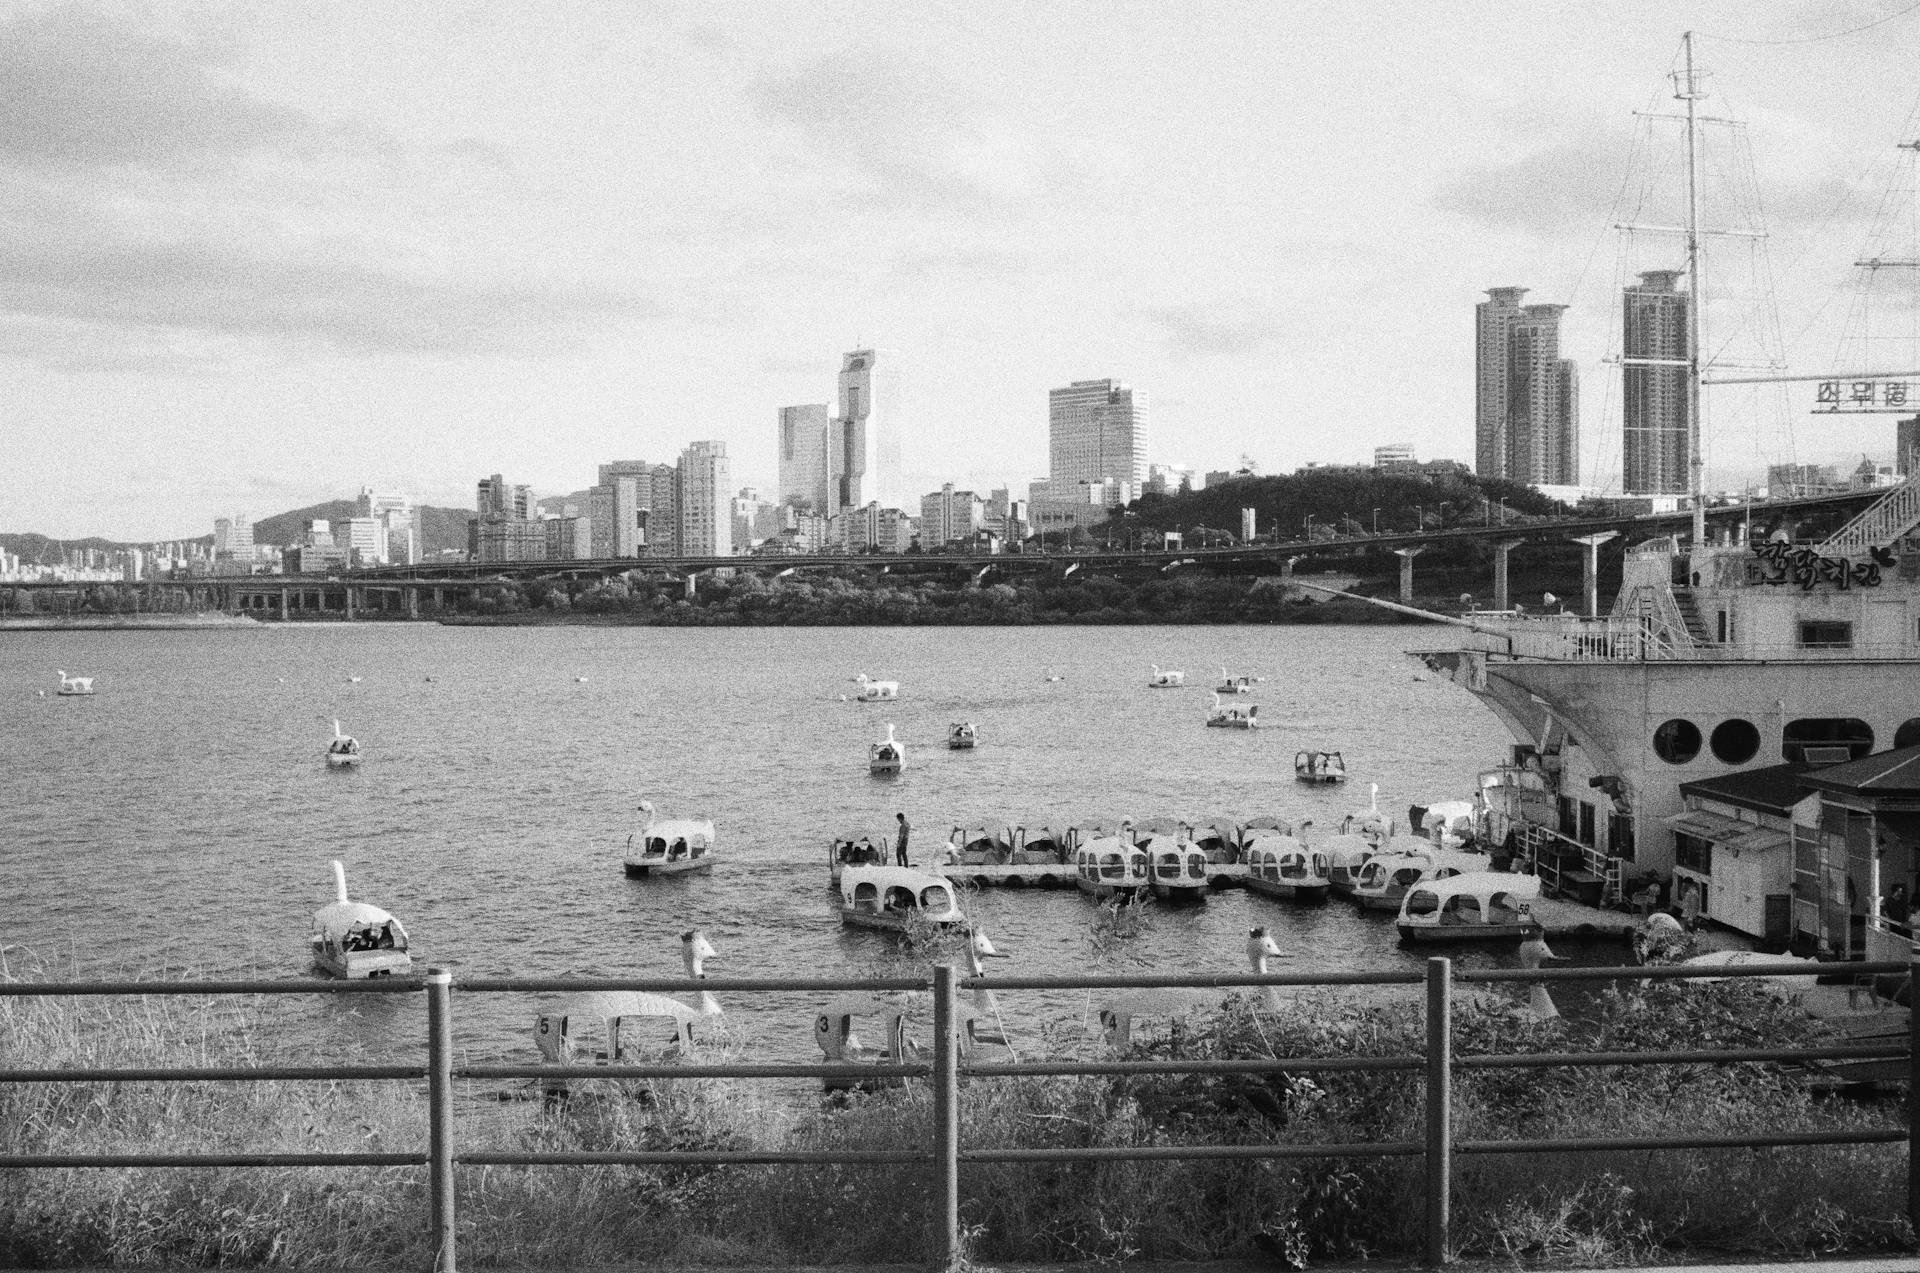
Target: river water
{"x":181,"y":821}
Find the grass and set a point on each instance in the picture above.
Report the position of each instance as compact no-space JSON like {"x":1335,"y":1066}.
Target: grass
{"x":1536,"y":1209}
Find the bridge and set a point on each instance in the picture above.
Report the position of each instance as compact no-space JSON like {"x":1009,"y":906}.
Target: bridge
{"x":401,"y":591}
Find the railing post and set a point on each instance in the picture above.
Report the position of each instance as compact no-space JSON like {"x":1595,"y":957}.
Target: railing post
{"x":1439,"y":1109}
{"x":440,"y":1115}
{"x":946,"y":1119}
{"x":1913,"y":1091}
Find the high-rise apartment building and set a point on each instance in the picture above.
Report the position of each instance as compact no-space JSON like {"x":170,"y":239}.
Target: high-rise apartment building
{"x":1527,"y":397}
{"x":1096,"y":432}
{"x":806,"y":449}
{"x":631,"y":510}
{"x":233,"y":538}
{"x":505,"y":526}
{"x":399,"y":528}
{"x":947,"y":515}
{"x":704,"y":495}
{"x":866,"y":464}
{"x":1655,"y":411}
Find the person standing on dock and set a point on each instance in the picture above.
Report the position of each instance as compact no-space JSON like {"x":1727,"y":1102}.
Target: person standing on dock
{"x":900,"y":844}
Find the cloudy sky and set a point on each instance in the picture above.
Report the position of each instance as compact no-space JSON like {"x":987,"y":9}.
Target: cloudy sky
{"x":253,"y":256}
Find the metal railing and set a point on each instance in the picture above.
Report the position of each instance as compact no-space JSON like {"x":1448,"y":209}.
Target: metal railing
{"x":1437,"y":1065}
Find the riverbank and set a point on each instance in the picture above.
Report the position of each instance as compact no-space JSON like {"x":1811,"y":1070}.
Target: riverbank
{"x":65,"y":622}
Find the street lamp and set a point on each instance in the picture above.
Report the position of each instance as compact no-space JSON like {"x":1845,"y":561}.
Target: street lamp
{"x":1419,"y":517}
{"x":1376,"y":521}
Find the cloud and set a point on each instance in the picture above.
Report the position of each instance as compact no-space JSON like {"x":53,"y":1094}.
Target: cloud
{"x":920,"y":263}
{"x":912,"y":137}
{"x":1194,"y":330}
{"x":80,"y":89}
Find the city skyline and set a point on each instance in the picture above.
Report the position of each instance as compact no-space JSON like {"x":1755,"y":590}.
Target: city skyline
{"x":259,"y":255}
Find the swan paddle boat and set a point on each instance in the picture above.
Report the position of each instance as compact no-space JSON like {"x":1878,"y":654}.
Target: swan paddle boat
{"x":1222,"y":716}
{"x":1111,"y":866}
{"x":357,"y":940}
{"x":1158,"y":680}
{"x":1383,"y":882}
{"x":1319,"y":767}
{"x":872,"y":691}
{"x":74,"y":686}
{"x":569,"y":1037}
{"x":1282,"y":866}
{"x":1369,"y":823}
{"x":895,"y":898}
{"x":1346,"y":854}
{"x":1471,"y":906}
{"x":888,"y":756}
{"x":671,"y":846}
{"x":1176,"y":866}
{"x":962,"y":735}
{"x":1233,"y":684}
{"x":344,"y":749}
{"x":856,"y":848}
{"x":987,"y":856}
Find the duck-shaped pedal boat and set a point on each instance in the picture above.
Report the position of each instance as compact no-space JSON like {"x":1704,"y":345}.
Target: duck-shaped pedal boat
{"x":357,"y":940}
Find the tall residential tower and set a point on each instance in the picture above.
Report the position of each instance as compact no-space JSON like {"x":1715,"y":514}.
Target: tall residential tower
{"x":1527,"y":400}
{"x":1096,"y":433}
{"x":1654,"y":411}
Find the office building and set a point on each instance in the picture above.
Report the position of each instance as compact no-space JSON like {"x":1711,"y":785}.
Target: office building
{"x":361,"y":539}
{"x":631,"y":510}
{"x":504,"y":526}
{"x":1527,"y":397}
{"x":1655,"y":411}
{"x":1096,"y":432}
{"x":399,"y":528}
{"x":233,"y":538}
{"x":872,"y":529}
{"x":1396,"y":457}
{"x":568,"y":538}
{"x":704,"y":499}
{"x":806,"y":448}
{"x":947,"y":515}
{"x":865,"y":465}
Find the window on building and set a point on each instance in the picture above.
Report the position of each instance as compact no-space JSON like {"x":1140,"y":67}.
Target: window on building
{"x":1569,"y":821}
{"x":1825,"y":634}
{"x":1825,"y":740}
{"x":1586,"y":824}
{"x":1620,"y":836}
{"x":1693,"y":853}
{"x":1908,"y":734}
{"x":1735,"y":741}
{"x":1677,"y":741}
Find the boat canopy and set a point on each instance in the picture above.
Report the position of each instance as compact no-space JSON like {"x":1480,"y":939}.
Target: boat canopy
{"x":969,"y":835}
{"x":611,"y":1005}
{"x":1429,"y":896}
{"x":1267,"y":822}
{"x":336,"y":919}
{"x":1162,"y":825}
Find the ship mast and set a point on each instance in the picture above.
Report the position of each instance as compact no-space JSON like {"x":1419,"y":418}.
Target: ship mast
{"x":1688,"y":90}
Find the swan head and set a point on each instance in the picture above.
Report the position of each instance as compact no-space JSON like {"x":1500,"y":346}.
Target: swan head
{"x":695,"y":949}
{"x":1260,"y":948}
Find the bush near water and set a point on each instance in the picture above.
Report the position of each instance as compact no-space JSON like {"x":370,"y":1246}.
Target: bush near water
{"x":1581,"y":1209}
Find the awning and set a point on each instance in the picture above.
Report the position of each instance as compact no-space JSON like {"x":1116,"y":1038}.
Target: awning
{"x":1731,"y":832}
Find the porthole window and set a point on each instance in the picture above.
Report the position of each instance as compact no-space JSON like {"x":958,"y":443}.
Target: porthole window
{"x":1735,"y":741}
{"x":1908,"y":734}
{"x":1677,"y":741}
{"x":1826,"y":740}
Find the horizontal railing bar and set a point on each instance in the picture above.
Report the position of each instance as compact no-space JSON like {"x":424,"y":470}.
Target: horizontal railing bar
{"x":668,"y":1157}
{"x":1682,"y":972}
{"x":1159,"y":981}
{"x":213,"y":1160}
{"x":1872,"y":1136}
{"x":1544,"y":1060}
{"x":587,"y":985}
{"x":1002,"y":1069}
{"x":796,"y":1071}
{"x":159,"y":1074}
{"x":283,"y":986}
{"x":1381,"y":1149}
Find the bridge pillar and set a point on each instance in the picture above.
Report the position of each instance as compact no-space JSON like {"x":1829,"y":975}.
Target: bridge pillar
{"x":693,"y":585}
{"x":348,"y":604}
{"x":1590,"y":569}
{"x":413,"y":600}
{"x":1500,"y":552}
{"x":1406,"y":556}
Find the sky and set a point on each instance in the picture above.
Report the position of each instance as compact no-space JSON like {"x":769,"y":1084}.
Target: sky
{"x":255,"y":256}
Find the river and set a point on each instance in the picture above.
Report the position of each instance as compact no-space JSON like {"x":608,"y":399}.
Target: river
{"x":181,"y":821}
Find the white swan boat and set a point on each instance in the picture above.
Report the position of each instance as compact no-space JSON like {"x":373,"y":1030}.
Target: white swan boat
{"x":888,"y":756}
{"x":1176,"y":866}
{"x":1383,"y":882}
{"x":872,"y":691}
{"x":590,"y":1029}
{"x":856,"y":848}
{"x":962,"y":735}
{"x":1319,"y":767}
{"x":1281,"y":866}
{"x":669,"y":846}
{"x":1158,"y":680}
{"x":343,"y":750}
{"x":75,"y":686}
{"x":1111,"y":866}
{"x":1346,"y":854}
{"x":1233,"y":684}
{"x":1223,"y":716}
{"x":1472,"y":906}
{"x":895,"y":898}
{"x":356,"y":940}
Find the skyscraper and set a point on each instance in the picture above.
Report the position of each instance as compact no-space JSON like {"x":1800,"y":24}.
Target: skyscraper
{"x":806,"y":442}
{"x":1527,"y":397}
{"x":1655,"y":411}
{"x":867,"y":464}
{"x":704,"y":494}
{"x":630,"y":510}
{"x":1096,"y":433}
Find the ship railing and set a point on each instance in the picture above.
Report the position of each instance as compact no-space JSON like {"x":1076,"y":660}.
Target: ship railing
{"x":1610,"y":641}
{"x":1554,"y":857}
{"x":940,"y":1159}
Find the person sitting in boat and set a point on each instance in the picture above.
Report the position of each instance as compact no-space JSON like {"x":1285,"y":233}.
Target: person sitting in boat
{"x":679,"y":849}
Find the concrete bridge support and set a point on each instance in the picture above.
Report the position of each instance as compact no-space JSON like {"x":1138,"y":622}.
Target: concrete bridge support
{"x":1406,"y":556}
{"x":1590,"y":570}
{"x":1501,"y":551}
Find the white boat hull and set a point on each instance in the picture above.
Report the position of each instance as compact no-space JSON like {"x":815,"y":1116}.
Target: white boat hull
{"x":644,"y":867}
{"x":341,"y":760}
{"x":1288,"y":889}
{"x":359,"y":965}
